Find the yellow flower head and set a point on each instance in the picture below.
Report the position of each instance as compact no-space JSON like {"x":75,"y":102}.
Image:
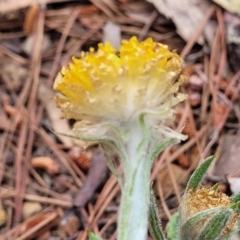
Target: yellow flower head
{"x":106,"y":85}
{"x":205,"y":198}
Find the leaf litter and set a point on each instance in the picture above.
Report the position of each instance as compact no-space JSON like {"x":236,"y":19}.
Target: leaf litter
{"x":66,"y":182}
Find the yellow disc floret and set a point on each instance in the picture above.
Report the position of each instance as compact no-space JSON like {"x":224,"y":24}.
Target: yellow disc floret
{"x":107,"y":84}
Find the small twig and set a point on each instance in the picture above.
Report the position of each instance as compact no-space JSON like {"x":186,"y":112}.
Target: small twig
{"x":164,"y":205}
{"x":110,"y":221}
{"x":14,"y":56}
{"x":31,"y":231}
{"x":173,"y":178}
{"x":53,"y":201}
{"x":196,"y":35}
{"x":147,"y":26}
{"x":103,"y":7}
{"x":183,"y":148}
{"x":42,"y":133}
{"x":55,"y":66}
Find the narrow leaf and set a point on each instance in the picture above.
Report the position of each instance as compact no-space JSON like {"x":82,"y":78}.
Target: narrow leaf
{"x":235,"y":198}
{"x":154,"y":222}
{"x":191,"y":223}
{"x":236,"y":207}
{"x":173,"y":227}
{"x":213,"y":228}
{"x":215,"y":187}
{"x":198,"y":174}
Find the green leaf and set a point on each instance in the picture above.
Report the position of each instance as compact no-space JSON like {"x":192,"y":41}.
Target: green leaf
{"x":154,"y":222}
{"x":198,"y":174}
{"x":173,"y":227}
{"x":213,"y":228}
{"x":215,"y":187}
{"x":92,"y":236}
{"x":190,"y":224}
{"x":236,"y":207}
{"x":235,"y":198}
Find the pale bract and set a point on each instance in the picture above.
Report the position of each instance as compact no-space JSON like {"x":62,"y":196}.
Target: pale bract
{"x":107,"y":87}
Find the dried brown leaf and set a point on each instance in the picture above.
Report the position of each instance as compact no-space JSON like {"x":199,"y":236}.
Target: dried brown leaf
{"x":187,"y":15}
{"x":230,"y":5}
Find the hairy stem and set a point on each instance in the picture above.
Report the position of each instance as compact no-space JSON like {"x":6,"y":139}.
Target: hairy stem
{"x":133,"y":212}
